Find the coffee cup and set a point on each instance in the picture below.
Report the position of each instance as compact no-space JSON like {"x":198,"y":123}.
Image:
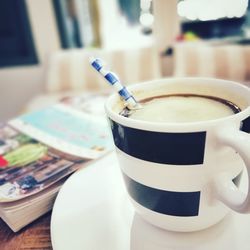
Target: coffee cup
{"x":184,"y":176}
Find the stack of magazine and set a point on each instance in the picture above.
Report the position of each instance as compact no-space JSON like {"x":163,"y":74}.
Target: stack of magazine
{"x":39,"y":150}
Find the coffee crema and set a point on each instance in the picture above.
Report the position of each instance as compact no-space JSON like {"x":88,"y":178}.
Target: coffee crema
{"x":182,"y":108}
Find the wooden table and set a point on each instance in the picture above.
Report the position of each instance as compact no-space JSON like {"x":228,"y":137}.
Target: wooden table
{"x":33,"y":236}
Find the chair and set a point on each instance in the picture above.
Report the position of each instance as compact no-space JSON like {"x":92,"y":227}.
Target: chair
{"x":227,"y":61}
{"x":69,"y":71}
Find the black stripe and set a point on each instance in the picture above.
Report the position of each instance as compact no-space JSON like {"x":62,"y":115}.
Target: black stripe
{"x":246,"y":125}
{"x":165,"y":202}
{"x":159,"y":147}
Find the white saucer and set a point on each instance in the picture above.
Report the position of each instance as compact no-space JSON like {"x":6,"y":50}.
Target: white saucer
{"x":92,"y":212}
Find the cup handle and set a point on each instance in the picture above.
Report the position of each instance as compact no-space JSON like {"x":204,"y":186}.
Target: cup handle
{"x":226,"y":191}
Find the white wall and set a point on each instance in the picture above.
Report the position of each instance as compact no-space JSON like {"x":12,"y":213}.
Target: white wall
{"x":20,"y":84}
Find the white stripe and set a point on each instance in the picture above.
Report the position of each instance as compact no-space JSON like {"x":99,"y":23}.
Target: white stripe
{"x":131,"y":102}
{"x":76,"y":70}
{"x":236,"y":64}
{"x":106,"y":57}
{"x":163,"y":176}
{"x":132,"y":64}
{"x":118,"y":86}
{"x":103,"y":71}
{"x":206,"y":54}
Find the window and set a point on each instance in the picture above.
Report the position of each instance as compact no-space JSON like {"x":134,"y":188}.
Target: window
{"x":16,"y":42}
{"x":76,"y":23}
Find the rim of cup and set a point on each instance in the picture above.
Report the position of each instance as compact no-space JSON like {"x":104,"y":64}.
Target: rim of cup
{"x":175,"y":126}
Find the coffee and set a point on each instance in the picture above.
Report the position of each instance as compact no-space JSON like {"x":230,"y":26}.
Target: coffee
{"x":183,"y":108}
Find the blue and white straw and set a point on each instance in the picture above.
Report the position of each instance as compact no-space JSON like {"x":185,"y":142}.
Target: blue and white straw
{"x":114,"y":81}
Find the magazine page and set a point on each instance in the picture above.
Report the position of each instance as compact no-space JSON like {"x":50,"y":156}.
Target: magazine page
{"x":28,"y":166}
{"x":42,"y":147}
{"x":67,"y":129}
{"x":88,"y":103}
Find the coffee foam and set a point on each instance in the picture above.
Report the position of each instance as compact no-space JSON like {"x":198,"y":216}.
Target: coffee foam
{"x":182,"y":109}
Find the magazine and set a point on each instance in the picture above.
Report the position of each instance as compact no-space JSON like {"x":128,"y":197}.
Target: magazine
{"x":39,"y":150}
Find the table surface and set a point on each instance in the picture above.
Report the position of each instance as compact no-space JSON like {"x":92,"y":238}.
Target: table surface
{"x":33,"y":236}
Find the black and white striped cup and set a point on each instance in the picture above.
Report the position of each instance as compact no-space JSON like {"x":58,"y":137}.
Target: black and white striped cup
{"x":182,"y":176}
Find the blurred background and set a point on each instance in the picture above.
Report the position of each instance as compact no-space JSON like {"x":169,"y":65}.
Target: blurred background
{"x":45,"y":45}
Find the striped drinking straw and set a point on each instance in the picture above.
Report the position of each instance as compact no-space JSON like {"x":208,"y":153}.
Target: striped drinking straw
{"x":113,"y":80}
